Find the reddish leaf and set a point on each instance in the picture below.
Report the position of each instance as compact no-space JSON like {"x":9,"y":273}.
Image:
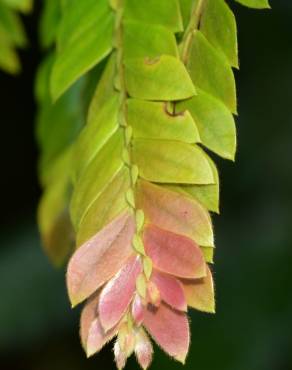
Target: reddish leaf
{"x":118,"y":293}
{"x":120,"y":356}
{"x":176,"y":212}
{"x":97,"y":338}
{"x":171,"y":290}
{"x":170,"y":329}
{"x":174,"y":254}
{"x":88,"y":315}
{"x":143,"y":349}
{"x":200,"y":293}
{"x":100,"y":258}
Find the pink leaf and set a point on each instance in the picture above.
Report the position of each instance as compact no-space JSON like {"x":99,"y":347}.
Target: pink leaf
{"x":200,"y":293}
{"x":171,"y":290}
{"x":170,"y":329}
{"x":176,"y":212}
{"x":88,"y":315}
{"x":137,"y":310}
{"x":118,"y":293}
{"x":143,"y":349}
{"x":100,"y":258}
{"x":174,"y":254}
{"x":120,"y":356}
{"x":97,"y":338}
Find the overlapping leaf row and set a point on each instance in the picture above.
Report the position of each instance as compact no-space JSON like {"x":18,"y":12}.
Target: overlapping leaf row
{"x":12,"y":34}
{"x":142,"y":183}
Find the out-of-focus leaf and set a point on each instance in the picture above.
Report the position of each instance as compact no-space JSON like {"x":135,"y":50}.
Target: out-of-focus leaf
{"x":24,"y":6}
{"x":11,"y":26}
{"x":258,"y":4}
{"x":50,"y":19}
{"x":85,"y":38}
{"x":100,"y":171}
{"x":106,"y":207}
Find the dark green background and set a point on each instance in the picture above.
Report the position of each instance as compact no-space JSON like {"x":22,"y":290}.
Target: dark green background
{"x":252,"y":329}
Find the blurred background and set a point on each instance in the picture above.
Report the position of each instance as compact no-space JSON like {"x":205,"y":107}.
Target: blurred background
{"x":252,"y":329}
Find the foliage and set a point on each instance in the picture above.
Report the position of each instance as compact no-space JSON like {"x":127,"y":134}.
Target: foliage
{"x":12,"y":33}
{"x":128,"y":100}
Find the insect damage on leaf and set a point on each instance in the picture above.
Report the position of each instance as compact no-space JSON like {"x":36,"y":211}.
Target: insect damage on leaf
{"x":129,"y":100}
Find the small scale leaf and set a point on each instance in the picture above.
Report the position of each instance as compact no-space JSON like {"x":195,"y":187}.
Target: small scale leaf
{"x":162,"y":78}
{"x":170,"y":330}
{"x":100,"y":258}
{"x":118,"y":293}
{"x":151,"y":120}
{"x":143,"y":40}
{"x":174,"y":211}
{"x":218,"y":25}
{"x":200,"y":293}
{"x":166,"y":161}
{"x":174,"y":254}
{"x":167,"y":14}
{"x":215,"y":123}
{"x":171,"y":290}
{"x":106,"y":164}
{"x":211,"y":72}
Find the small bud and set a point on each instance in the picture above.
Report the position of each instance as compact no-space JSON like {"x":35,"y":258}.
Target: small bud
{"x":130,"y":198}
{"x":140,"y":218}
{"x":141,"y":285}
{"x":138,"y":244}
{"x":148,"y":267}
{"x":126,"y":157}
{"x":134,"y":174}
{"x":128,"y":134}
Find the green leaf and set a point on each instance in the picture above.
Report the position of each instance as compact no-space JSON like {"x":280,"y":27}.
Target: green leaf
{"x":163,"y":78}
{"x":151,"y":120}
{"x":258,"y":4}
{"x":208,"y":253}
{"x":167,"y":14}
{"x":109,"y":204}
{"x":53,"y":215}
{"x":24,"y":6}
{"x":186,"y":9}
{"x":95,"y":134}
{"x":218,"y":25}
{"x":215,"y":123}
{"x":11,"y":27}
{"x":50,"y":19}
{"x":143,"y":40}
{"x":210,"y":71}
{"x":9,"y":61}
{"x":171,"y":162}
{"x":100,"y":171}
{"x":207,"y":195}
{"x":81,"y":45}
